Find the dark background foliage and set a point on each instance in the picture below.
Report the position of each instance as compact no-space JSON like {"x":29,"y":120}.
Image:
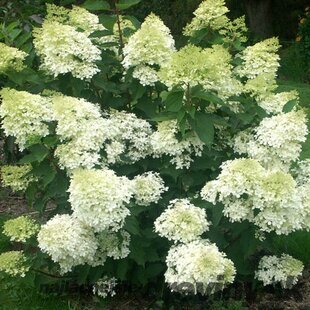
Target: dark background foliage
{"x":265,"y":17}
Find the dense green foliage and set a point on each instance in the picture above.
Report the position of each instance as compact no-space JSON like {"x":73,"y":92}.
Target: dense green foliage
{"x":143,"y":269}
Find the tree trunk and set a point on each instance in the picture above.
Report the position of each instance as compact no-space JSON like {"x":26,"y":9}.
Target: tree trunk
{"x":260,"y":17}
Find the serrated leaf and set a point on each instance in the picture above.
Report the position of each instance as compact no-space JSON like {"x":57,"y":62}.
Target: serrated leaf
{"x":207,"y":96}
{"x":37,"y":153}
{"x":132,"y":226}
{"x":174,"y":101}
{"x":45,"y":171}
{"x":125,"y":4}
{"x":96,"y":5}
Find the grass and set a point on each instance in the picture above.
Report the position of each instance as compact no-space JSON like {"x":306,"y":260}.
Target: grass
{"x":302,"y":88}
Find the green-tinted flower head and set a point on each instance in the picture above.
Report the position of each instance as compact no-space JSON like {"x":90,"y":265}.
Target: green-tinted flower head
{"x":151,"y":46}
{"x":260,"y":58}
{"x":77,"y":17}
{"x":278,"y":184}
{"x":16,"y":177}
{"x":208,"y":67}
{"x":14,"y":263}
{"x":25,"y":116}
{"x":209,"y":14}
{"x":64,"y":49}
{"x":11,"y":58}
{"x":21,"y":228}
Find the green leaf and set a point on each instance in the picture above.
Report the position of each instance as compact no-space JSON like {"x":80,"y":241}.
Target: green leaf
{"x":125,"y":4}
{"x":136,"y":91}
{"x":50,"y":141}
{"x":174,"y":101}
{"x":204,"y":128}
{"x":108,"y":21}
{"x":37,"y":153}
{"x":30,"y":193}
{"x":45,"y":171}
{"x":22,"y":39}
{"x":122,"y":269}
{"x":207,"y":96}
{"x":58,"y":187}
{"x":137,"y":252}
{"x":96,"y":5}
{"x":289,"y":106}
{"x":153,"y":270}
{"x":164,"y":116}
{"x":100,"y":33}
{"x":132,"y":225}
{"x":217,"y":214}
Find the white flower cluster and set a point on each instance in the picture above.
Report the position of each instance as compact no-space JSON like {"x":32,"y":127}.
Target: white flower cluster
{"x":182,"y":221}
{"x":80,"y":18}
{"x":260,"y":65}
{"x":98,"y":198}
{"x":195,"y":265}
{"x":82,"y":129}
{"x":260,"y":58}
{"x":275,"y":103}
{"x":62,"y":47}
{"x":198,"y":266}
{"x":16,"y":177}
{"x":164,"y":142}
{"x":111,"y":244}
{"x":276,"y":142}
{"x":77,"y":17}
{"x":209,"y":67}
{"x":149,"y":47}
{"x":25,"y":115}
{"x":148,"y":188}
{"x":20,"y":229}
{"x":105,"y":287}
{"x":269,"y":199}
{"x":302,"y":173}
{"x":70,"y":242}
{"x":210,"y":14}
{"x":67,"y":241}
{"x":284,"y":270}
{"x":127,"y":137}
{"x":235,"y":30}
{"x":14,"y":263}
{"x":11,"y":58}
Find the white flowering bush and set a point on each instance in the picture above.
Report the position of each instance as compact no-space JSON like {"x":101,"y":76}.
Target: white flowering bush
{"x":145,"y":162}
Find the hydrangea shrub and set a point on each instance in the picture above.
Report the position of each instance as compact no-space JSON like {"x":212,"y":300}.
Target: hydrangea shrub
{"x":145,"y":161}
